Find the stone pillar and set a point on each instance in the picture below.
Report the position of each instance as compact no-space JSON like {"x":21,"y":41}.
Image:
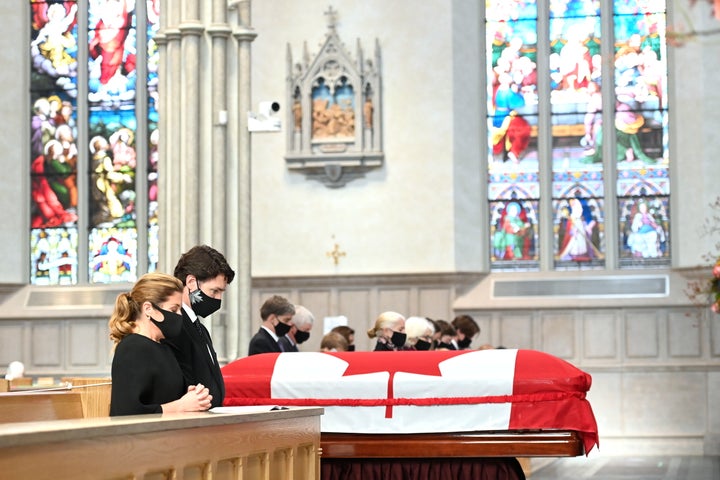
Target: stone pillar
{"x":238,"y":227}
{"x":169,"y":166}
{"x":191,"y":205}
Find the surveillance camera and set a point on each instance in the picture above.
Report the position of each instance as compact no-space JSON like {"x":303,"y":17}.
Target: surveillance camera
{"x":265,"y":120}
{"x":268,"y":108}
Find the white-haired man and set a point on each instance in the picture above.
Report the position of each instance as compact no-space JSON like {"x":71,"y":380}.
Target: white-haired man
{"x":300,"y":326}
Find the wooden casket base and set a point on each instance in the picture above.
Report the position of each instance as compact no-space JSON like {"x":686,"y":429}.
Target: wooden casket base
{"x":462,"y":455}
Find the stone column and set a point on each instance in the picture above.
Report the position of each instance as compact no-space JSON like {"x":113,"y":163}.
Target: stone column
{"x":238,"y":227}
{"x":191,"y":205}
{"x":169,"y":167}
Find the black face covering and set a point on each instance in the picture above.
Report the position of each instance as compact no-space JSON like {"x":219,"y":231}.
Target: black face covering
{"x":301,"y":336}
{"x":464,"y":343}
{"x":351,"y":348}
{"x":422,"y":345}
{"x":398,"y":339}
{"x":281,"y":329}
{"x":446,"y":346}
{"x":202,"y":304}
{"x":171,"y":326}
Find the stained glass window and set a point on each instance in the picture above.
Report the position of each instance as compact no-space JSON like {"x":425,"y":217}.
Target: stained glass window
{"x":85,"y":224}
{"x":513,"y":161}
{"x":556,"y":81}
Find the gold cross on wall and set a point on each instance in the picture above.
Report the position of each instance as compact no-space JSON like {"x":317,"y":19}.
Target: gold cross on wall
{"x":335,"y":254}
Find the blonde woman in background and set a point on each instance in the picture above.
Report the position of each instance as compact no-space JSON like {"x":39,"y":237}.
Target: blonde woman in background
{"x":389,"y":329}
{"x":146,"y":377}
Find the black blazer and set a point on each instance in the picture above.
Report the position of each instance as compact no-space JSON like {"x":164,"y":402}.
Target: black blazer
{"x":286,"y":345}
{"x":198,"y":360}
{"x":263,"y":342}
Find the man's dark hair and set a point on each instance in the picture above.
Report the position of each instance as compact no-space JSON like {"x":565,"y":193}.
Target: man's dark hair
{"x":467,"y":325}
{"x":204,"y":263}
{"x":276,"y":305}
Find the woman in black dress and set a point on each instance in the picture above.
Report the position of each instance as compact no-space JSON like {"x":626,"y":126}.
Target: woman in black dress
{"x":146,"y":377}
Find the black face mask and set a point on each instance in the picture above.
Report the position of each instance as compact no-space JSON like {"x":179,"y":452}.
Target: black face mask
{"x":351,"y":348}
{"x":301,"y":336}
{"x":171,"y":326}
{"x":281,"y":329}
{"x":398,"y":339}
{"x":422,"y":345}
{"x":446,"y":346}
{"x":464,"y":343}
{"x":202,"y":304}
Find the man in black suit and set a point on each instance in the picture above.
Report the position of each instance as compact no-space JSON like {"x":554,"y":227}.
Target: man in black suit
{"x":276,"y":314}
{"x":205,"y":274}
{"x":301,"y":325}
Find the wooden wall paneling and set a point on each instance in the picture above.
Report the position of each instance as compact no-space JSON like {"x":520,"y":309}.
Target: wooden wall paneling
{"x":642,"y":334}
{"x":434,"y":303}
{"x":516,"y":330}
{"x":47,"y":344}
{"x":558,"y":334}
{"x":684,"y":334}
{"x":12,"y":342}
{"x":601,"y":335}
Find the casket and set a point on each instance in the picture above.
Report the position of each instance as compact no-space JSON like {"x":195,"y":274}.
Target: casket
{"x":446,"y":396}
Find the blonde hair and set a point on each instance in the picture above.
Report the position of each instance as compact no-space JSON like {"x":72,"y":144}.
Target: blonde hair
{"x":384,"y":320}
{"x":151,"y":287}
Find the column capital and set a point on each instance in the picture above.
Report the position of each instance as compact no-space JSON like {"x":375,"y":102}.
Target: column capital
{"x":169,"y":34}
{"x":219,"y":30}
{"x":191,"y":27}
{"x":245,"y":34}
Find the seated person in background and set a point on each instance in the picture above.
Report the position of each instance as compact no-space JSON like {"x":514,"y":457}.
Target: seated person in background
{"x":349,"y":335}
{"x":466,"y":328}
{"x":446,"y":337}
{"x":419,"y":332}
{"x":389,"y":329}
{"x":146,"y":376}
{"x":276,"y":314}
{"x":300,"y":326}
{"x":333,"y":342}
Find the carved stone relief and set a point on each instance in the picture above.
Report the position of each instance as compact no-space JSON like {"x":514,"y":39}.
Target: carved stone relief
{"x":334,"y":123}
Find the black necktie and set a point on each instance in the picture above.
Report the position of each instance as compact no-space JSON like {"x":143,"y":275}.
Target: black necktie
{"x":199,"y":329}
{"x":203,"y":337}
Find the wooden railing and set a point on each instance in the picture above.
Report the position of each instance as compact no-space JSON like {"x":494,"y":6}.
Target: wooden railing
{"x":262,"y":445}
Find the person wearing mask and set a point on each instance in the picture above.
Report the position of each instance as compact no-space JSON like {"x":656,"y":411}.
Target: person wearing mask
{"x":446,"y":336}
{"x":349,"y":335}
{"x":466,"y":328}
{"x":205,"y":274}
{"x":419,"y":332}
{"x":389,"y":329}
{"x":301,"y":324}
{"x":276,"y":314}
{"x":146,"y":376}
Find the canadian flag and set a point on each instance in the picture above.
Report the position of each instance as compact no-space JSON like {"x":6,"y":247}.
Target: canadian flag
{"x":421,"y":392}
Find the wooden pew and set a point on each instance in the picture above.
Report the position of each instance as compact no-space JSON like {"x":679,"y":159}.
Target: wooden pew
{"x":94,"y":393}
{"x":262,"y":445}
{"x":31,"y":406}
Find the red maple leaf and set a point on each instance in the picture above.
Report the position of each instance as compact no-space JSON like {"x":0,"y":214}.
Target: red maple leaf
{"x":421,"y":363}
